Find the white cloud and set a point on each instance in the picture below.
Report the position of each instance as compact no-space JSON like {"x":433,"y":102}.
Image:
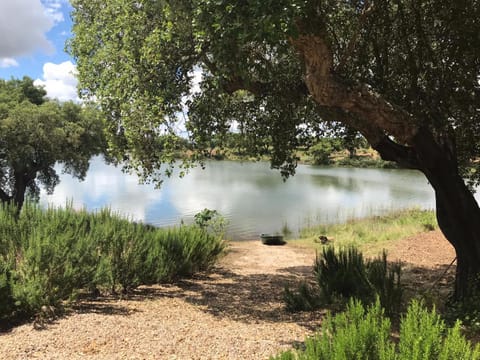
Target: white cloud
{"x":197,"y":78}
{"x":23,"y":25}
{"x":59,"y":81}
{"x":53,"y":9}
{"x":8,"y":62}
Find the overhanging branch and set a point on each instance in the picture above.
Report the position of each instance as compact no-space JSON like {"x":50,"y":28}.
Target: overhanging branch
{"x":328,"y":90}
{"x":388,"y":149}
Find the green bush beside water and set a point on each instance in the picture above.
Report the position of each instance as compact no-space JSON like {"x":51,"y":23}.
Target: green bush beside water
{"x":366,"y":162}
{"x":346,"y":273}
{"x":48,"y":256}
{"x":365,"y":333}
{"x":343,"y":274}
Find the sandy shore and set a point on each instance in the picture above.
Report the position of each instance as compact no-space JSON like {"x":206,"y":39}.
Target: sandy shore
{"x":235,"y":312}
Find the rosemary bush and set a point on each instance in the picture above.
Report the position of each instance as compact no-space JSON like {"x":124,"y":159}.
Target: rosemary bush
{"x":48,"y":256}
{"x":365,"y":333}
{"x":344,"y":274}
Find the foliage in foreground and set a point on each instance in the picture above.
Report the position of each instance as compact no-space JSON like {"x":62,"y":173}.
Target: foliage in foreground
{"x":344,"y":274}
{"x":467,"y":311}
{"x":365,"y":333}
{"x":47,"y":256}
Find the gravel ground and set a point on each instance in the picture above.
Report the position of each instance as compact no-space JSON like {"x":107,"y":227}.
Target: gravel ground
{"x":235,"y":312}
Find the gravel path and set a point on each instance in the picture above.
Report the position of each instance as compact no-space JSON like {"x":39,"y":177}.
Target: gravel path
{"x":236,"y":312}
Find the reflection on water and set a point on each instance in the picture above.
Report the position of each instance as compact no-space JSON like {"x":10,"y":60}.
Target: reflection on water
{"x":253,"y":197}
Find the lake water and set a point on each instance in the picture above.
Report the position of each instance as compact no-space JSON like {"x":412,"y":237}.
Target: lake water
{"x":251,"y":196}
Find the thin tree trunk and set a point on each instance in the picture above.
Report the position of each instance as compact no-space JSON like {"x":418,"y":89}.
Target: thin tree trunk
{"x":20,"y":188}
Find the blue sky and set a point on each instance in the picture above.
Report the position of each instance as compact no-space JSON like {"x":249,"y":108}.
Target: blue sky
{"x":33,"y":41}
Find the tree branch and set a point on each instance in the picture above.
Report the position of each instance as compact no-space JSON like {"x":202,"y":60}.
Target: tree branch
{"x":386,"y":147}
{"x":371,"y":110}
{"x":405,"y":156}
{"x":236,"y":82}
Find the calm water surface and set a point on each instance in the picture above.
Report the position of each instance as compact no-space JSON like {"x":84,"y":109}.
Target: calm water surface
{"x":251,"y":196}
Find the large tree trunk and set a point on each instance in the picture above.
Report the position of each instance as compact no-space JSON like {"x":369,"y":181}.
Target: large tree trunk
{"x":399,"y":137}
{"x":458,"y":213}
{"x":458,"y":216}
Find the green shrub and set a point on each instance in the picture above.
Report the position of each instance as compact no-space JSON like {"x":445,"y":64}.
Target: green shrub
{"x":364,"y":333}
{"x":56,"y":258}
{"x":304,"y":299}
{"x":123,"y":246}
{"x":341,"y":273}
{"x":467,"y":310}
{"x":204,"y":217}
{"x":322,"y":150}
{"x":357,"y":333}
{"x":424,"y":335}
{"x":345,"y":273}
{"x":385,"y":282}
{"x":48,"y":256}
{"x":7,"y":302}
{"x":186,"y":250}
{"x":211,"y":221}
{"x":10,"y":233}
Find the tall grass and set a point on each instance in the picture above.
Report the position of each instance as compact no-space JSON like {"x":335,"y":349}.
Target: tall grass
{"x":48,"y":256}
{"x":372,"y":232}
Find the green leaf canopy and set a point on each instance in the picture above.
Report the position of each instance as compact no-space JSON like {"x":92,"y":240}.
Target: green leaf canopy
{"x":36,"y":133}
{"x":139,"y":59}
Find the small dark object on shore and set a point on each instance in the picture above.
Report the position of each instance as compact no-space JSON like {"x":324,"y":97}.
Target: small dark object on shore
{"x":268,"y":239}
{"x":322,"y":239}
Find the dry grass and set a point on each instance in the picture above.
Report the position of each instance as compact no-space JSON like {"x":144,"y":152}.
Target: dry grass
{"x":371,"y":234}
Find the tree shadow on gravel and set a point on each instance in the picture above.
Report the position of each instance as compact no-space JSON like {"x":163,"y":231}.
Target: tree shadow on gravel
{"x":248,"y":298}
{"x":43,"y":320}
{"x":101,"y":306}
{"x":259,"y":297}
{"x":253,"y":298}
{"x":434,"y":285}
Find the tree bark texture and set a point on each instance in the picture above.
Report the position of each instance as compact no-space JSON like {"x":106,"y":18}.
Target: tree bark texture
{"x":458,"y":213}
{"x":397,"y":136}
